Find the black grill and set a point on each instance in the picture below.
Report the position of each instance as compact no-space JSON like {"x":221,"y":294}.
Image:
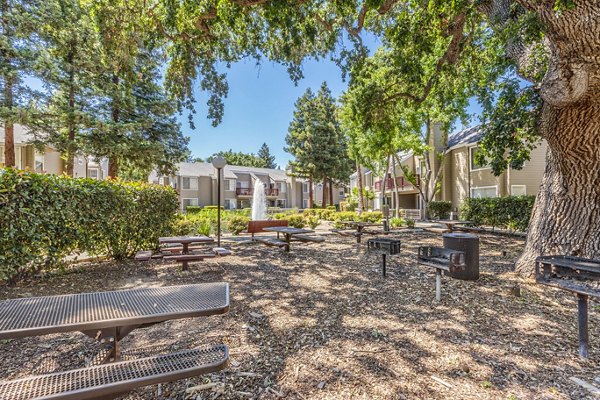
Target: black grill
{"x":385,"y":247}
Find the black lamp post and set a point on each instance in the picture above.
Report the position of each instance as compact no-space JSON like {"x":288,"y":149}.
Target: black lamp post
{"x":219,"y":163}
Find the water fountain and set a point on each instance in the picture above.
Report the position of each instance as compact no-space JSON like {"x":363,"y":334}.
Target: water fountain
{"x":259,"y":201}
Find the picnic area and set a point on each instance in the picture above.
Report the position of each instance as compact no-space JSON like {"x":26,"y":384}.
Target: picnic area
{"x":321,"y":322}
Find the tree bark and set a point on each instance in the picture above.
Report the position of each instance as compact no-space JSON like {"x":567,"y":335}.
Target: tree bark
{"x":9,"y":131}
{"x":310,"y":192}
{"x":566,"y":214}
{"x":324,"y":202}
{"x":331,"y":191}
{"x":396,"y":195}
{"x":361,"y":198}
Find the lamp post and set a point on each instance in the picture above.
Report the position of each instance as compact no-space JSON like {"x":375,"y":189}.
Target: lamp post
{"x":219,"y":163}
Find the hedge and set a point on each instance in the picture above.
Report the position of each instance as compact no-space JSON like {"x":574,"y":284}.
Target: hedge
{"x":43,"y":218}
{"x":439,"y":209}
{"x":512,"y":212}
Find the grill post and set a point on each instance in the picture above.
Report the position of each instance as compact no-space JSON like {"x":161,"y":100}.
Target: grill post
{"x":582,"y":319}
{"x":438,"y":284}
{"x":383,"y":263}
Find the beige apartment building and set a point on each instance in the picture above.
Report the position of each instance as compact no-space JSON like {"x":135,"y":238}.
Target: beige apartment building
{"x":196,"y":184}
{"x":461,"y":176}
{"x":49,"y":161}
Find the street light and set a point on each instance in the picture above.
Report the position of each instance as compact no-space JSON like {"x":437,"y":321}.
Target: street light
{"x":219,"y":163}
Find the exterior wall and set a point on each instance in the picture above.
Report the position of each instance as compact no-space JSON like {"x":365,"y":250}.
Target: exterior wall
{"x":459,"y":184}
{"x":532,"y":172}
{"x":53,"y":164}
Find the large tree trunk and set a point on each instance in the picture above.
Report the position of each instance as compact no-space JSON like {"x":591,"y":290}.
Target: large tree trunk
{"x":566,"y":215}
{"x":396,"y":195}
{"x":361,"y":198}
{"x":330,"y":191}
{"x":324,"y":200}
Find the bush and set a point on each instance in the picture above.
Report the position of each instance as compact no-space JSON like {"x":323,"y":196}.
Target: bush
{"x":512,"y":212}
{"x":346,"y":216}
{"x":237,"y":223}
{"x":192,"y":209}
{"x":296,"y":221}
{"x":46,"y":217}
{"x":439,"y":209}
{"x":410,"y":223}
{"x":312,"y":221}
{"x":396,"y":222}
{"x":372,"y":216}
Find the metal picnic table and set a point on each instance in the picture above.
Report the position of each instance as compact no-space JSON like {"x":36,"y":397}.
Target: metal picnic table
{"x":360,"y":226}
{"x":185,"y":241}
{"x":110,"y":316}
{"x":288,"y":232}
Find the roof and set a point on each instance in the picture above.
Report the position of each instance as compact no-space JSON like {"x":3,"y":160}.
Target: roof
{"x":207,"y":169}
{"x":21,"y":134}
{"x":465,"y":137}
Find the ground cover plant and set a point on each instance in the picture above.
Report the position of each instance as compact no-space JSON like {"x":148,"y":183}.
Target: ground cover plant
{"x":322,"y":323}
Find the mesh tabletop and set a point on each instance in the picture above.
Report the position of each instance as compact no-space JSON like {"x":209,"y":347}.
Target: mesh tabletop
{"x":102,"y":380}
{"x":41,"y":315}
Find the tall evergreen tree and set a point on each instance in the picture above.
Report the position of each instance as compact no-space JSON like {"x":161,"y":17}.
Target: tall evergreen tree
{"x":265,"y":154}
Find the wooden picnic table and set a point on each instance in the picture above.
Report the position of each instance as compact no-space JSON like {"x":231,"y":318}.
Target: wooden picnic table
{"x":450,"y":223}
{"x":110,"y":316}
{"x":288,"y":233}
{"x":185,"y":241}
{"x":360,"y":226}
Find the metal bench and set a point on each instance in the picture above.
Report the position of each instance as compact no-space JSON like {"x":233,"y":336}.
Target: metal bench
{"x":257,"y":226}
{"x":111,"y":380}
{"x":442,"y":260}
{"x":573,"y":274}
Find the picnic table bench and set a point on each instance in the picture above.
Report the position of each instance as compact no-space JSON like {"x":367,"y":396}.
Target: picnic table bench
{"x":108,"y":317}
{"x":573,"y":274}
{"x":290,"y":234}
{"x":359,"y":229}
{"x":441,"y":259}
{"x":258,"y":226}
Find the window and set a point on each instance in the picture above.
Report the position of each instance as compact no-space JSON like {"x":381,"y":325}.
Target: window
{"x":189,"y":183}
{"x":92,"y":173}
{"x":518,"y":190}
{"x":39,"y":162}
{"x":280,"y":203}
{"x":305,"y":187}
{"x":281,"y":187}
{"x":305,"y":203}
{"x":230,"y":204}
{"x":484,"y":191}
{"x":1,"y":155}
{"x":474,"y":165}
{"x":230,"y":184}
{"x":342,"y":192}
{"x":243,"y":184}
{"x":189,"y":202}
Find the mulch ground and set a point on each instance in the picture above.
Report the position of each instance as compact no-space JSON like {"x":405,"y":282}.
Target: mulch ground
{"x":322,"y":323}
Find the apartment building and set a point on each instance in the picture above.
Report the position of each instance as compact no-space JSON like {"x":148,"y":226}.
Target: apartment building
{"x":48,"y":160}
{"x":461,"y":176}
{"x":196,"y":184}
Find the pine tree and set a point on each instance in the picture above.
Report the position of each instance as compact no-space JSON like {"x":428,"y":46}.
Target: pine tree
{"x":265,"y":155}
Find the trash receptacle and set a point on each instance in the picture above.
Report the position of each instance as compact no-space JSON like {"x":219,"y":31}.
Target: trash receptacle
{"x":469,"y":244}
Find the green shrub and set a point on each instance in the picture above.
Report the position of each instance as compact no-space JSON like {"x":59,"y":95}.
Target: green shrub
{"x":512,"y":212}
{"x":279,"y":216}
{"x":439,"y":209}
{"x":396,"y":222}
{"x":346,"y":216}
{"x":312,"y":221}
{"x":192,"y":209}
{"x":410,"y":223}
{"x":237,"y":223}
{"x":372,"y":216}
{"x":296,"y":221}
{"x":46,"y":217}
{"x":210,"y":208}
{"x":332,"y":208}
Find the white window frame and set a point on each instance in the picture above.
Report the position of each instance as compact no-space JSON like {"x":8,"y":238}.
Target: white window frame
{"x":471,"y":160}
{"x":524,"y":187}
{"x":304,"y":203}
{"x":281,"y":203}
{"x":93,"y":169}
{"x":193,"y":203}
{"x":232,"y":204}
{"x":305,"y":187}
{"x":36,"y":156}
{"x":484,"y":187}
{"x":191,"y":179}
{"x":230,"y":185}
{"x":341,"y":192}
{"x":242,"y":184}
{"x":281,"y":186}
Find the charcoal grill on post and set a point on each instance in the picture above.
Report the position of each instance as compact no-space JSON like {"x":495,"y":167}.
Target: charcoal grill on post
{"x":384,"y":246}
{"x":574,"y":274}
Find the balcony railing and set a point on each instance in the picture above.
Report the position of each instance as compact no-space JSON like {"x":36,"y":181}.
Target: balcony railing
{"x":402,"y":184}
{"x":250,"y":192}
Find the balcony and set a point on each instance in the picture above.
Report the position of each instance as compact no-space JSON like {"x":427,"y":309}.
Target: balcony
{"x":250,"y":191}
{"x":402,"y":184}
